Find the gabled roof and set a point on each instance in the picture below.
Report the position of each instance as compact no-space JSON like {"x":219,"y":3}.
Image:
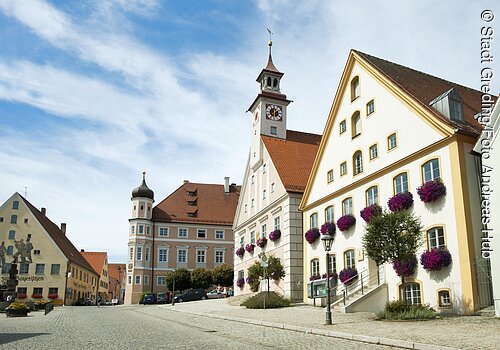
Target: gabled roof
{"x":293,"y":157}
{"x":114,"y":272}
{"x":212,"y":205}
{"x":96,"y":260}
{"x":59,"y":238}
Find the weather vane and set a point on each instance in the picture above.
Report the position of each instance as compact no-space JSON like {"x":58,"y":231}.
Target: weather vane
{"x":270,"y":36}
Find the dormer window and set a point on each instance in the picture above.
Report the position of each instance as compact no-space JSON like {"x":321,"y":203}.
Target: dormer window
{"x":191,"y":193}
{"x":192,"y":203}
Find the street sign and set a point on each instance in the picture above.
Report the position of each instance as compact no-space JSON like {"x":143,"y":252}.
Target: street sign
{"x":263,"y":261}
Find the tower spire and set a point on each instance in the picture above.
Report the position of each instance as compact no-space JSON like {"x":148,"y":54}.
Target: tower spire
{"x":270,"y":65}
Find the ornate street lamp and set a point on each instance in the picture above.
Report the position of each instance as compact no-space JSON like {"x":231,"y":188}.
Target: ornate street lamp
{"x":327,"y":244}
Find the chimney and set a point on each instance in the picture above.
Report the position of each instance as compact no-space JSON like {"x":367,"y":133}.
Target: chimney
{"x":63,"y":228}
{"x":186,"y":181}
{"x":43,"y":211}
{"x":226,"y":184}
{"x":82,"y":250}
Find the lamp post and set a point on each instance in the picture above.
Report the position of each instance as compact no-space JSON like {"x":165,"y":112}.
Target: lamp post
{"x":327,"y":244}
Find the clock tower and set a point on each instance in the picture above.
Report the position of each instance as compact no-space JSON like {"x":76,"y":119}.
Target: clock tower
{"x":268,"y":110}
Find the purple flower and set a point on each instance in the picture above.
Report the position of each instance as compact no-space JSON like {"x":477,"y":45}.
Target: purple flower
{"x":328,"y":228}
{"x":435,"y":259}
{"x":261,"y":242}
{"x":240,"y":252}
{"x":312,"y":235}
{"x":405,"y":268}
{"x":249,"y":247}
{"x":240,"y":282}
{"x":400,"y":201}
{"x":346,"y":276}
{"x":249,"y":280}
{"x":431,"y":190}
{"x":275,"y":235}
{"x":345,"y":222}
{"x":314,"y":277}
{"x":370,"y":212}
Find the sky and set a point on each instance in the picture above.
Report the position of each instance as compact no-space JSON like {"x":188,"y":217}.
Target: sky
{"x":93,"y":92}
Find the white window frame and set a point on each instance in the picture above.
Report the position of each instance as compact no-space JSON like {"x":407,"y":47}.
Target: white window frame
{"x":201,"y":230}
{"x":141,"y":229}
{"x":329,"y":214}
{"x":392,"y":141}
{"x":314,"y":266}
{"x":138,"y":253}
{"x":219,"y":234}
{"x":264,"y":194}
{"x":179,"y":255}
{"x":137,"y":280}
{"x":329,"y":176}
{"x":370,"y":107}
{"x":358,"y":162}
{"x":347,"y":206}
{"x":343,"y":168}
{"x":350,"y":258}
{"x":146,"y":280}
{"x":313,"y":220}
{"x":201,"y":253}
{"x":163,"y":231}
{"x":160,"y":255}
{"x":179,"y":232}
{"x":373,"y":151}
{"x":272,"y":187}
{"x":433,"y":172}
{"x":263,"y":230}
{"x":371,"y":195}
{"x":412,"y":293}
{"x":219,"y":252}
{"x":131,"y":254}
{"x":401,"y":181}
{"x":163,"y":280}
{"x":148,"y":230}
{"x":436,"y":237}
{"x":146,"y":253}
{"x":252,"y":237}
{"x":277,"y":222}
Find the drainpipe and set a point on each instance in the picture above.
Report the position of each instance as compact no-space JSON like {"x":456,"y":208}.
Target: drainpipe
{"x":66,"y":282}
{"x":152,"y":255}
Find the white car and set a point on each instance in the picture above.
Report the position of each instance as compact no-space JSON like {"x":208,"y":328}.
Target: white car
{"x":214,"y":295}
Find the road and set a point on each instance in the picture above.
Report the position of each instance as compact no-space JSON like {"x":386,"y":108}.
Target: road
{"x":150,"y":327}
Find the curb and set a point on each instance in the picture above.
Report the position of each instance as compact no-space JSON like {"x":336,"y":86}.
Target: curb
{"x":367,"y":339}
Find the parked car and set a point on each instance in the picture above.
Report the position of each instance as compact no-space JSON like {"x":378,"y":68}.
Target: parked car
{"x":83,"y":302}
{"x":163,"y":298}
{"x":149,"y":299}
{"x":190,"y":295}
{"x":213,"y":294}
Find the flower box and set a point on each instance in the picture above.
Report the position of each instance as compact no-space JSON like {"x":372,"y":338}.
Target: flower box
{"x":52,"y":296}
{"x":261,"y":242}
{"x":275,"y":235}
{"x":328,"y":228}
{"x":435,"y":259}
{"x":240,"y":282}
{"x":347,"y":276}
{"x":37,"y":296}
{"x":400,"y":201}
{"x":431,"y":191}
{"x":17,"y":313}
{"x":249,"y":247}
{"x":370,"y":212}
{"x":405,"y":268}
{"x":22,"y":296}
{"x":345,"y":222}
{"x":314,"y":277}
{"x":240,"y":252}
{"x":312,"y":235}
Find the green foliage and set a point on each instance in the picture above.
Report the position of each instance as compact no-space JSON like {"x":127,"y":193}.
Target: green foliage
{"x":255,"y":272}
{"x":274,"y":270}
{"x":273,"y":300}
{"x":399,"y":310}
{"x":201,"y":278}
{"x":182,"y":279}
{"x":393,"y":236}
{"x":223,"y":275}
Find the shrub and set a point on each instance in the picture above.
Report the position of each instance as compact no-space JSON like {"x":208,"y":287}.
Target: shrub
{"x":312,"y":235}
{"x":346,"y":276}
{"x":370,"y":212}
{"x":405,"y":268}
{"x":431,"y":190}
{"x":400,"y":201}
{"x":435,"y":259}
{"x":223,"y":275}
{"x":261,"y":242}
{"x":273,"y":300}
{"x":275,"y":235}
{"x":345,"y":222}
{"x":201,"y":278}
{"x":240,"y":252}
{"x":249,"y":247}
{"x":328,"y":228}
{"x":240,"y":282}
{"x":399,"y":310}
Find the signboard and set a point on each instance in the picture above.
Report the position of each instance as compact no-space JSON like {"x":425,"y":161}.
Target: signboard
{"x":263,"y":261}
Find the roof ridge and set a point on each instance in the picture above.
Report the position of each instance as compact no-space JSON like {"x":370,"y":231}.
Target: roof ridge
{"x":305,"y":132}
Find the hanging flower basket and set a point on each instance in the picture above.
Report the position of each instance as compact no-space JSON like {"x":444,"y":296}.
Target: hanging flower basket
{"x":347,"y":276}
{"x":435,"y":259}
{"x":345,"y":222}
{"x":52,"y":296}
{"x":328,"y":228}
{"x":22,"y":296}
{"x":431,"y":191}
{"x":312,"y":235}
{"x":261,"y":242}
{"x":240,"y":282}
{"x":249,"y":247}
{"x":240,"y":252}
{"x":370,"y":212}
{"x":405,"y":268}
{"x":332,"y":275}
{"x":275,"y":235}
{"x":401,"y":201}
{"x":314,"y":277}
{"x":249,"y":280}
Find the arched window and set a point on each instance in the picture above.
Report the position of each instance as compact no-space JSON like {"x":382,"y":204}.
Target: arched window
{"x":430,"y":170}
{"x":349,"y":259}
{"x":435,"y":237}
{"x":355,"y":124}
{"x":347,"y":206}
{"x":357,"y":163}
{"x":269,"y":81}
{"x":371,"y":196}
{"x":401,"y":183}
{"x":329,"y":217}
{"x":314,"y":267}
{"x":411,"y":293}
{"x":275,"y":83}
{"x":354,"y":88}
{"x":314,"y":220}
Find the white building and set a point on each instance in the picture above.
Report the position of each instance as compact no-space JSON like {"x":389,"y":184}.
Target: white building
{"x":391,"y":129}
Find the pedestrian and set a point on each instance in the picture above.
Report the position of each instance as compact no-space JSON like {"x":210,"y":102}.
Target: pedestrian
{"x":9,"y":298}
{"x":99,"y":301}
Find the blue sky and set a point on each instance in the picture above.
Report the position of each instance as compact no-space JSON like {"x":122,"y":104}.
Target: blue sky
{"x":93,"y":92}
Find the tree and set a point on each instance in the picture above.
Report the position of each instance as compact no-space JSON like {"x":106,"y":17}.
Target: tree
{"x":223,"y":275}
{"x":274,"y":270}
{"x":182,"y":279}
{"x":201,"y":278}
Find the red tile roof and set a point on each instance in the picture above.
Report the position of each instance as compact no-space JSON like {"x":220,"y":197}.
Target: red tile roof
{"x":96,"y":260}
{"x":212,"y":205}
{"x":59,"y":238}
{"x":113,"y":270}
{"x":293,"y":157}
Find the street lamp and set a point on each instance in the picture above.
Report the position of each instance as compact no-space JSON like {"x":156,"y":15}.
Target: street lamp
{"x":327,"y":244}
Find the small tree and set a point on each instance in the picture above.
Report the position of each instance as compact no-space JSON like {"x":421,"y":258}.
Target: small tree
{"x":201,"y":278}
{"x":182,"y":279}
{"x":223,"y":275}
{"x":274,"y":270}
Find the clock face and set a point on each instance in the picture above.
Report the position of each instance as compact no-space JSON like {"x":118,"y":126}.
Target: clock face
{"x":274,"y":112}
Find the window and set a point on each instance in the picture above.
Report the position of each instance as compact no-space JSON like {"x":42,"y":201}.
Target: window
{"x":401,"y":183}
{"x":252,"y":203}
{"x":146,"y":280}
{"x":137,"y":279}
{"x":264,"y":168}
{"x":6,"y":268}
{"x":357,"y":163}
{"x":13,"y":219}
{"x":411,"y":293}
{"x":332,"y":264}
{"x":347,"y":206}
{"x":342,"y":127}
{"x":430,"y":170}
{"x":253,"y":179}
{"x":202,"y":233}
{"x":182,"y":256}
{"x":272,"y":187}
{"x":355,"y":124}
{"x":274,"y":130}
{"x":25,"y":220}
{"x":219,"y":256}
{"x":246,"y":208}
{"x":264,"y":194}
{"x":53,"y":290}
{"x":371,"y":196}
{"x":444,"y":298}
{"x":242,"y":242}
{"x":15,"y":205}
{"x":343,"y":168}
{"x":139,"y":253}
{"x":329,"y":214}
{"x":219,"y":234}
{"x":10,"y":250}
{"x":329,"y":176}
{"x":131,"y":253}
{"x":241,"y":274}
{"x":392,"y":142}
{"x":148,"y":230}
{"x":132,"y":230}
{"x":313,"y":220}
{"x":1,"y":218}
{"x":349,"y":259}
{"x":354,"y":88}
{"x":162,"y":255}
{"x":314,"y":267}
{"x":141,"y":229}
{"x":370,"y":107}
{"x":38,"y":290}
{"x":22,"y":290}
{"x":373,"y":152}
{"x":263,"y":230}
{"x":200,"y":256}
{"x":39,"y":269}
{"x":12,"y":234}
{"x":129,"y":280}
{"x":55,"y":269}
{"x":163,"y":231}
{"x":183,"y":232}
{"x":252,"y":237}
{"x":435,"y":238}
{"x":277,"y":223}
{"x":161,"y":280}
{"x":24,"y":268}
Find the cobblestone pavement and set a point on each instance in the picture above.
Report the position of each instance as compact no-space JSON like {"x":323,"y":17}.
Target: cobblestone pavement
{"x":471,"y":332}
{"x":151,"y":327}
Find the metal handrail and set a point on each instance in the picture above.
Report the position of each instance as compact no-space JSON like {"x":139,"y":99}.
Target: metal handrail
{"x":363,"y":277}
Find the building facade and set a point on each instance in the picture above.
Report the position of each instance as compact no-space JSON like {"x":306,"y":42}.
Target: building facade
{"x":99,"y":262}
{"x":117,"y":280}
{"x":191,"y":228}
{"x":275,"y":177}
{"x":390,"y":130}
{"x":52,"y":264}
